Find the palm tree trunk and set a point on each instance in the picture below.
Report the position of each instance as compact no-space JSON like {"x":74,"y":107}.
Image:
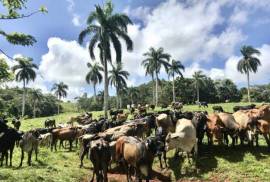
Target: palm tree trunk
{"x":198,"y":92}
{"x":34,"y":109}
{"x":173,"y":89}
{"x":117,"y":99}
{"x":153,"y":80}
{"x":120,"y":100}
{"x":95,"y":95}
{"x":248,"y":91}
{"x":156,"y":89}
{"x":23,"y":99}
{"x":58,"y":107}
{"x":106,"y":89}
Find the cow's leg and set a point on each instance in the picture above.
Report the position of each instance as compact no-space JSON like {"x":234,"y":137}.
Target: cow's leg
{"x":265,"y":135}
{"x":93,"y":176}
{"x":36,"y":152}
{"x":83,"y":151}
{"x":29,"y":157}
{"x":10,"y":155}
{"x":70,"y":145}
{"x":165,"y":158}
{"x":6,"y":155}
{"x":209,"y":138}
{"x":2,"y":158}
{"x":160,"y":162}
{"x":22,"y":156}
{"x":105,"y":171}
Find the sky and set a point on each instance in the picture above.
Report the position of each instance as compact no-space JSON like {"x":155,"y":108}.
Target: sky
{"x":203,"y":34}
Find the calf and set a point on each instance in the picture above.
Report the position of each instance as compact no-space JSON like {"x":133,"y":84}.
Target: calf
{"x":49,"y":123}
{"x":217,"y":109}
{"x":45,"y":139}
{"x":99,"y":154}
{"x":63,"y":134}
{"x":29,"y":143}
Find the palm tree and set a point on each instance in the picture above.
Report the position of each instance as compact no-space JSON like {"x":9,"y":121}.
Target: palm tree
{"x":106,"y":28}
{"x":24,"y":72}
{"x":94,"y":76}
{"x":248,"y":63}
{"x":36,"y":96}
{"x":175,"y":69}
{"x":133,"y":93}
{"x":155,"y":59}
{"x":149,"y":70}
{"x":60,"y":91}
{"x":199,"y":79}
{"x":118,"y":78}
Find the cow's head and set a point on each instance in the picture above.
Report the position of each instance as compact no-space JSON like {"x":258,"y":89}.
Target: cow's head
{"x":215,"y":127}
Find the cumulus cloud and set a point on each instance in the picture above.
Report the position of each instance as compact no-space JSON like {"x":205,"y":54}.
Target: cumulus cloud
{"x":76,"y":19}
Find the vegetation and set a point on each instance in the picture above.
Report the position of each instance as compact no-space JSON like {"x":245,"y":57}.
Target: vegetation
{"x":11,"y":105}
{"x":118,"y":78}
{"x":25,"y":72}
{"x":94,"y":76}
{"x":106,"y":29}
{"x":60,"y":91}
{"x":248,"y":63}
{"x":13,"y":7}
{"x":199,"y":80}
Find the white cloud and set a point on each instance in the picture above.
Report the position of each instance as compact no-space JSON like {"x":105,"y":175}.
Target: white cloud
{"x":239,"y":17}
{"x":75,"y":17}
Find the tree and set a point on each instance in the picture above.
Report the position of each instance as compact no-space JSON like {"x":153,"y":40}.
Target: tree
{"x":199,"y":79}
{"x":118,"y":78}
{"x":155,"y":59}
{"x":106,"y":28}
{"x":133,"y":93}
{"x":5,"y":74}
{"x":12,"y":8}
{"x":24,"y":71}
{"x":248,"y":63}
{"x":175,"y":69}
{"x":94,"y":76}
{"x":60,"y":91}
{"x":36,"y":96}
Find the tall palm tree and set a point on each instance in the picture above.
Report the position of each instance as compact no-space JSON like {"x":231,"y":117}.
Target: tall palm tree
{"x":106,"y":28}
{"x":133,"y":93}
{"x":36,"y":96}
{"x":199,"y":79}
{"x":118,"y":78}
{"x":60,"y":91}
{"x":94,"y":76}
{"x":175,"y":69}
{"x":149,"y":70}
{"x":155,"y":59}
{"x":24,"y":71}
{"x":248,"y":63}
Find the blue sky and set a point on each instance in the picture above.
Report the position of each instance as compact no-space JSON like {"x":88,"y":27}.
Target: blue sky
{"x":205,"y":35}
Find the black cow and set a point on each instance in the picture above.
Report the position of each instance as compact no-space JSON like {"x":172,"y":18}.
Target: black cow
{"x":16,"y":123}
{"x":199,"y":121}
{"x":202,"y":104}
{"x":217,"y":109}
{"x":237,"y":108}
{"x":161,"y":137}
{"x":49,"y":123}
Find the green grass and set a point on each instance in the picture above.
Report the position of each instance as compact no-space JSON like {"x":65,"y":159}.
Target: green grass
{"x":216,"y":163}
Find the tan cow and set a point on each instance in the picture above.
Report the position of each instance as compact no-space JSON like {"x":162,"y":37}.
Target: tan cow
{"x":164,"y":121}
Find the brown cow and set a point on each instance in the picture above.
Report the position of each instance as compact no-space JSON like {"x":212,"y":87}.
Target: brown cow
{"x":214,"y":129}
{"x":63,"y":134}
{"x":122,"y":117}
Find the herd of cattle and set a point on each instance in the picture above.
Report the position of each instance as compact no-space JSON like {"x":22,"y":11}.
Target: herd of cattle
{"x":135,"y":143}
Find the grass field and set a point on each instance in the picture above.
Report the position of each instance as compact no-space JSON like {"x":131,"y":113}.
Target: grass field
{"x":215,"y":163}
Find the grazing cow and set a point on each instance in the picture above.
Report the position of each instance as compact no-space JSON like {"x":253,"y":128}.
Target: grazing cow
{"x":16,"y":123}
{"x":184,"y":138}
{"x":8,"y":137}
{"x":152,"y":106}
{"x":45,"y":139}
{"x":165,"y":121}
{"x":49,"y":123}
{"x":100,"y":156}
{"x":177,"y":105}
{"x":28,"y":143}
{"x":237,"y":108}
{"x":121,"y":117}
{"x":202,"y":104}
{"x":63,"y":134}
{"x":199,"y":120}
{"x":136,"y":153}
{"x":217,"y":109}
